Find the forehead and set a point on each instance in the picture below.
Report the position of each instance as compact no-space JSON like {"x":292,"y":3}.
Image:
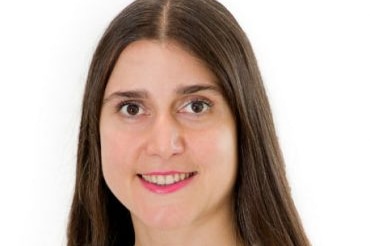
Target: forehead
{"x":152,"y":63}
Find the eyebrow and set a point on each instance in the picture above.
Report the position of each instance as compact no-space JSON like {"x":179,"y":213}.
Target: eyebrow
{"x":185,"y":90}
{"x":139,"y":94}
{"x":143,"y":94}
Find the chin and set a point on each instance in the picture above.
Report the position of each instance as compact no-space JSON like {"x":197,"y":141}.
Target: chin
{"x":165,"y":218}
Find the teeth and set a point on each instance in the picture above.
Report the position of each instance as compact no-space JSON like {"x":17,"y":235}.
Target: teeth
{"x":154,"y":179}
{"x":161,"y":180}
{"x":170,"y":179}
{"x":177,"y":177}
{"x":166,"y":179}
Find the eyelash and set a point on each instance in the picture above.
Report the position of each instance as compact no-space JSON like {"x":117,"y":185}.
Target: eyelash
{"x":206,"y":102}
{"x":129,"y":102}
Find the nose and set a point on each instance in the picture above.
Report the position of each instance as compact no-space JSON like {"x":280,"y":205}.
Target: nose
{"x":165,"y":137}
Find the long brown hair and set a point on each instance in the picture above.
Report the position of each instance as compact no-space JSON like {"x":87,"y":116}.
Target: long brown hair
{"x":264,"y":210}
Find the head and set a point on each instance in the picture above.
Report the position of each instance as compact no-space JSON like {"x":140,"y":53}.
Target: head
{"x":262,"y":206}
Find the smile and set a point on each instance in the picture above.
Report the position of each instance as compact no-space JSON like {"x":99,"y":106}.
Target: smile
{"x":166,"y":182}
{"x":166,"y":179}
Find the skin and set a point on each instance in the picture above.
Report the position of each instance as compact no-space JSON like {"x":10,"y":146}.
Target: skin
{"x":163,"y":111}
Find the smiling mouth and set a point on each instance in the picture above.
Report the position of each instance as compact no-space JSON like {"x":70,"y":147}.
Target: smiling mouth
{"x":166,"y":179}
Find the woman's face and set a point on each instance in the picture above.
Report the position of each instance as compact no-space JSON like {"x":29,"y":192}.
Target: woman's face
{"x":168,"y":138}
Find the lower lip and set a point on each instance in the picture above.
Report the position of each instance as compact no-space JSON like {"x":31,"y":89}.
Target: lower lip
{"x":165,"y":189}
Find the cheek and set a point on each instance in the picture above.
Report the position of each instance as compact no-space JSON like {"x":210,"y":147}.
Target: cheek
{"x":117,"y":146}
{"x":111,"y":150}
{"x":117,"y":164}
{"x":111,"y":157}
{"x":216,"y":149}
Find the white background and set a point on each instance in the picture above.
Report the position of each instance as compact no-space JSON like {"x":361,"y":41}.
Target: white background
{"x":314,"y":57}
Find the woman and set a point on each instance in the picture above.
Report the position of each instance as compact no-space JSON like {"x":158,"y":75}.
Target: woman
{"x":177,"y":144}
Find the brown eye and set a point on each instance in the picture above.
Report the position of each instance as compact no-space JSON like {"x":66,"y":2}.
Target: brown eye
{"x":131,"y":109}
{"x":197,"y":107}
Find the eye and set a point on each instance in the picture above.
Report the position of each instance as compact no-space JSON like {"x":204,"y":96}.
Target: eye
{"x":197,"y":106}
{"x":131,"y":109}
